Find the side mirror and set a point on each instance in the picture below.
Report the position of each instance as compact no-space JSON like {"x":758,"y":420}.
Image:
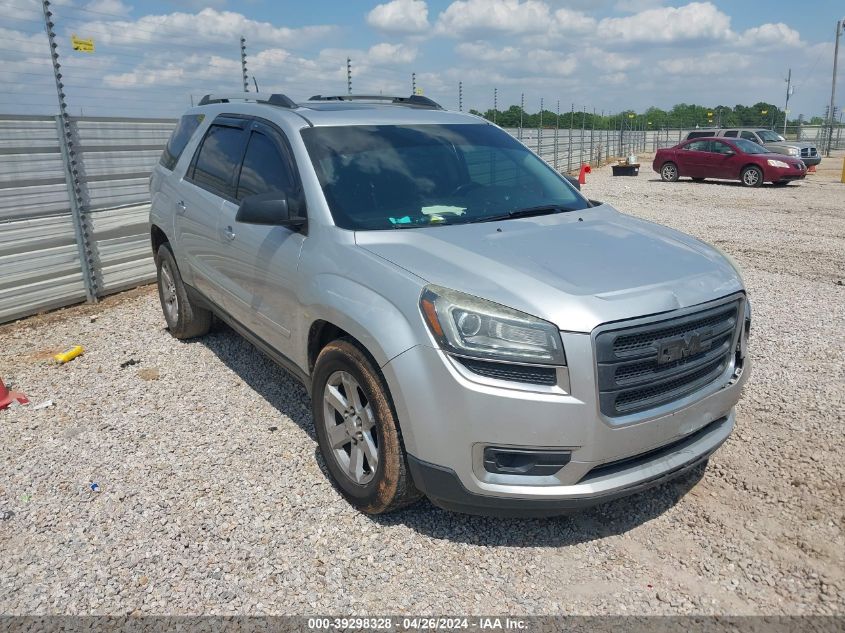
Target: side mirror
{"x":271,"y":209}
{"x":573,"y":181}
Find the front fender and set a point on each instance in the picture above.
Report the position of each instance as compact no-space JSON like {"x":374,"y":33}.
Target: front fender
{"x":379,"y":325}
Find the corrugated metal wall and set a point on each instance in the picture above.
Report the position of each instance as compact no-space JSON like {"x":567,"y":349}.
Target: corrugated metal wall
{"x":117,"y":156}
{"x":40,"y":265}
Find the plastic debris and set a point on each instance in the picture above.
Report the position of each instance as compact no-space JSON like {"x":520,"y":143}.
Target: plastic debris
{"x":69,"y":355}
{"x":95,"y":487}
{"x":130,"y":362}
{"x":272,"y":428}
{"x":43,"y":405}
{"x":6,"y":515}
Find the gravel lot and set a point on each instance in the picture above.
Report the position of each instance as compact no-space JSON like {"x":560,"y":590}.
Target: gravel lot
{"x":212,"y":500}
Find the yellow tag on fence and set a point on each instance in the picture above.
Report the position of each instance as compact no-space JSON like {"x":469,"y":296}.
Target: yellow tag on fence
{"x":83,"y":46}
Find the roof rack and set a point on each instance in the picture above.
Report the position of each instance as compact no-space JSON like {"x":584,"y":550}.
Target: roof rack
{"x":414,"y":101}
{"x":283,"y":101}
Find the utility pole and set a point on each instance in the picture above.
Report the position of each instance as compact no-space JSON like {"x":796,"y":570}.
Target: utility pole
{"x":521,"y":110}
{"x":460,"y":96}
{"x":72,"y":167}
{"x":244,"y":75}
{"x":788,"y":94}
{"x":348,"y":76}
{"x":833,"y":85}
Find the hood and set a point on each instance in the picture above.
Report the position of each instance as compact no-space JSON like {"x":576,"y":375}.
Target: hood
{"x":576,"y":269}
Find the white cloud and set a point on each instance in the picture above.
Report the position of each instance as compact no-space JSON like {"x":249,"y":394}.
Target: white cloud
{"x":207,"y":26}
{"x":635,"y":6}
{"x":768,"y":35}
{"x":695,"y":21}
{"x":485,"y":52}
{"x":568,"y":21}
{"x":503,"y":16}
{"x":385,"y":53}
{"x":710,"y":64}
{"x":113,"y":7}
{"x":400,"y":16}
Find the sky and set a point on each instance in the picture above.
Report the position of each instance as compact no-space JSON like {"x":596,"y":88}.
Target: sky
{"x":152,"y":58}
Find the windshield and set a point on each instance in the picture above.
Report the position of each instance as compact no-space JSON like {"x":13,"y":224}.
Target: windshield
{"x":388,"y":176}
{"x":767,"y":136}
{"x":749,"y":147}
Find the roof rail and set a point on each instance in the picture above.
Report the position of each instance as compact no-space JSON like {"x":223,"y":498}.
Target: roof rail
{"x":283,"y":101}
{"x":414,"y":101}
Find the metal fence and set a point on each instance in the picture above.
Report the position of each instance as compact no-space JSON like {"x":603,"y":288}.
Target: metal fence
{"x":67,"y":236}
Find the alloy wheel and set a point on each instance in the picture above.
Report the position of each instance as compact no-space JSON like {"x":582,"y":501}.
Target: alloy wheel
{"x":350,"y":428}
{"x":170,"y":300}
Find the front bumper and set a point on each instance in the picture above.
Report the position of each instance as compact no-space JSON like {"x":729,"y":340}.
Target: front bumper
{"x":776,"y":174}
{"x":448,"y":418}
{"x":811,"y":160}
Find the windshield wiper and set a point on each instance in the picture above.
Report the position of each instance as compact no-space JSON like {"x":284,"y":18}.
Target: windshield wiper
{"x":527,"y":212}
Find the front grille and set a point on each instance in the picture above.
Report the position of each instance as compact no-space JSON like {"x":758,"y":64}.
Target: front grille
{"x":514,"y":373}
{"x":809,"y":151}
{"x":645,"y":366}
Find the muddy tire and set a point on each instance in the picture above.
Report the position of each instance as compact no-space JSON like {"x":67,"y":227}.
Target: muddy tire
{"x":184,"y":318}
{"x":358,"y":432}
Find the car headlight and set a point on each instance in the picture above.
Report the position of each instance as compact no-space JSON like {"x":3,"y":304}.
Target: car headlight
{"x":777,"y":163}
{"x":470,"y":326}
{"x":794,"y":151}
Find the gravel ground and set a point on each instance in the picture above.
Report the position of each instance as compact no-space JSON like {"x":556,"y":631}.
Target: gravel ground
{"x":212,"y":499}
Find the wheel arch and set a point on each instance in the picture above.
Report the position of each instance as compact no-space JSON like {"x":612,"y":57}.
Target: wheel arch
{"x":747,"y":165}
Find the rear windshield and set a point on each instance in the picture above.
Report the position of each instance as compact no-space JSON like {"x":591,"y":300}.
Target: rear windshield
{"x":185,"y":129}
{"x":387,"y":176}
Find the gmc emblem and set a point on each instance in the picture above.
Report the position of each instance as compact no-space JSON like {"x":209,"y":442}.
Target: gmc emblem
{"x":681,"y":347}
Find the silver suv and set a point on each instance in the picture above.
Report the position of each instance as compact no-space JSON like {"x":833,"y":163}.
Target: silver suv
{"x":469,"y":326}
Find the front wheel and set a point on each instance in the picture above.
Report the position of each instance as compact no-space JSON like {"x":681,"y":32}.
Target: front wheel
{"x":669,"y":172}
{"x":358,"y":432}
{"x":752,"y":176}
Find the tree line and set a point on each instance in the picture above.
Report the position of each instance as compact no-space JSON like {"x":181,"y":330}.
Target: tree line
{"x":682,"y":115}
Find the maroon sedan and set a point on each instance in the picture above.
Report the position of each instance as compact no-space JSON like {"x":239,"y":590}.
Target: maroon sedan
{"x":730,"y":159}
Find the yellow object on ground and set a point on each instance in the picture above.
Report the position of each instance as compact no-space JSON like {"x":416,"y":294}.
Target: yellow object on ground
{"x":69,"y":355}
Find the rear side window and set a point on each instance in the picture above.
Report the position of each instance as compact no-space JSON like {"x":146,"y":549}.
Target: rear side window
{"x":264,"y":169}
{"x":698,"y":135}
{"x":731,"y":133}
{"x":750,"y":136}
{"x":218,"y":158}
{"x":179,"y":138}
{"x":698,"y":146}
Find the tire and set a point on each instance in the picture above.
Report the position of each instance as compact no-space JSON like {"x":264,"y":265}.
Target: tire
{"x":698,"y":179}
{"x":184,"y":318}
{"x":752,"y":176}
{"x":355,"y":432}
{"x":669,"y":172}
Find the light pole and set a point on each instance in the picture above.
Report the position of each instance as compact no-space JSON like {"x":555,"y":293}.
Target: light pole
{"x":786,"y":105}
{"x":839,"y":24}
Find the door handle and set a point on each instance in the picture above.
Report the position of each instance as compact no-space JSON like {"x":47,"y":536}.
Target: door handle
{"x":180,"y":207}
{"x":228,"y":233}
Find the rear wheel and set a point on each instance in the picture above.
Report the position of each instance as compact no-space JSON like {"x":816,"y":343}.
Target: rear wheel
{"x":752,"y":176}
{"x":358,"y":432}
{"x":184,"y":318}
{"x":669,"y":172}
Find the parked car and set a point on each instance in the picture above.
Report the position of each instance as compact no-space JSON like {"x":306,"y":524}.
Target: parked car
{"x":721,"y":158}
{"x":468,"y":325}
{"x":769,"y":139}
